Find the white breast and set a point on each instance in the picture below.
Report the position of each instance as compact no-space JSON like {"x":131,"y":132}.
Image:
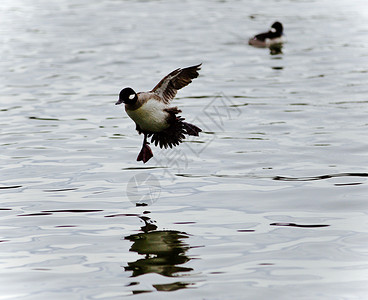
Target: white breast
{"x":270,"y":42}
{"x":150,"y":116}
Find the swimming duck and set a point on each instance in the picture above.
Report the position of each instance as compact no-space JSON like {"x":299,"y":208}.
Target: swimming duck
{"x":154,"y":117}
{"x":267,"y":39}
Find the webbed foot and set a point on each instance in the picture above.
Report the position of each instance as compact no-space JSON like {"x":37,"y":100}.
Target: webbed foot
{"x":145,"y":154}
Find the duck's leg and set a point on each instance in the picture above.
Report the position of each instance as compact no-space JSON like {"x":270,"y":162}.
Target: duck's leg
{"x":146,"y":152}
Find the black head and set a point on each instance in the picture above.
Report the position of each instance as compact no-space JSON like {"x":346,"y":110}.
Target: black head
{"x":277,"y":27}
{"x":127,"y":96}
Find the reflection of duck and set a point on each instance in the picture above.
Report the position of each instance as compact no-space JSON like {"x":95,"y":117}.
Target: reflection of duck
{"x":164,"y":253}
{"x":276,"y":49}
{"x":270,"y":38}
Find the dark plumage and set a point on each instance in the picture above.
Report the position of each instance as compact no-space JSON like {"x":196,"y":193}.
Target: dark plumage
{"x":267,"y":39}
{"x":153,"y":116}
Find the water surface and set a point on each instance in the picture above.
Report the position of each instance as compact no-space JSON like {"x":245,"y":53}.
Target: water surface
{"x":269,"y":202}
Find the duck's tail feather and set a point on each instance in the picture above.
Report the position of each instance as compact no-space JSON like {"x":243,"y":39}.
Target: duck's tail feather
{"x":175,"y":134}
{"x":191,"y":129}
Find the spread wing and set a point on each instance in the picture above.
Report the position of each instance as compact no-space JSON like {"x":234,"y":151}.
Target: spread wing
{"x":177,"y":79}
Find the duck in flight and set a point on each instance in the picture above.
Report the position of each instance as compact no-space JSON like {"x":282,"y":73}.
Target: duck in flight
{"x":154,"y":117}
{"x":267,"y":39}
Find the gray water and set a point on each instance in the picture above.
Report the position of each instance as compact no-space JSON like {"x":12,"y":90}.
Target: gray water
{"x":270,"y":202}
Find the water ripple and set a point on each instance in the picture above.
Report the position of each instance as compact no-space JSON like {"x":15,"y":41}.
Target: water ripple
{"x":320,"y":177}
{"x":299,"y":225}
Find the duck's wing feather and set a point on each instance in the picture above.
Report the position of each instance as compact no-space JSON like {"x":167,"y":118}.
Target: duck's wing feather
{"x":262,"y":36}
{"x":167,"y":88}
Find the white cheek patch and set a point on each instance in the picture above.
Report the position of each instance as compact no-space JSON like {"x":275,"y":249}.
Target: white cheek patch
{"x":131,"y":97}
{"x":273,"y":30}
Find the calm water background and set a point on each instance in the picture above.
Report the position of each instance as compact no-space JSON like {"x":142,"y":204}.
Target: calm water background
{"x":270,"y":202}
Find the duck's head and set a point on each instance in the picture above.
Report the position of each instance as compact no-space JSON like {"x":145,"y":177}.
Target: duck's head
{"x":127,"y":96}
{"x":277,"y":27}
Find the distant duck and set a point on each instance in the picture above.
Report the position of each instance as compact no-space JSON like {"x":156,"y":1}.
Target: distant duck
{"x":270,"y":38}
{"x":154,"y":117}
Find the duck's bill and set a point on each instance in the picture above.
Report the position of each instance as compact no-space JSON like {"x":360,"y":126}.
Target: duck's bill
{"x":119,"y":102}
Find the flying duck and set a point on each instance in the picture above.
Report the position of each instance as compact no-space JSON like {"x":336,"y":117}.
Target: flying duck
{"x":267,"y":39}
{"x":154,"y":117}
